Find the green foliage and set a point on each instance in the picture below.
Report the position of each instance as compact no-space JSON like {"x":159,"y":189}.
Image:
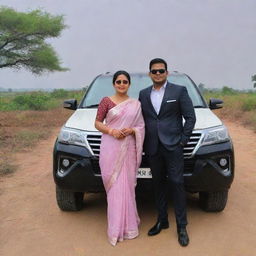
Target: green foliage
{"x":64,"y":94}
{"x":254,"y":81}
{"x":59,"y":93}
{"x":241,"y":101}
{"x":22,"y":40}
{"x":239,"y":106}
{"x":33,"y":101}
{"x":76,"y":95}
{"x":36,"y":100}
{"x":6,"y":167}
{"x":250,"y":103}
{"x":228,"y":91}
{"x":202,"y":88}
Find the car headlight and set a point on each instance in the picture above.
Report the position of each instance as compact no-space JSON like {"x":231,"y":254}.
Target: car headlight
{"x":72,"y":136}
{"x":215,"y":135}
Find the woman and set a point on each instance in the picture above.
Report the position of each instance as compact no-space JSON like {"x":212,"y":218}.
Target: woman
{"x":120,"y":157}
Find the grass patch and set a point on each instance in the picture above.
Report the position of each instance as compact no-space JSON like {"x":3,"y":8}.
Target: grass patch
{"x":38,"y":100}
{"x":27,"y":138}
{"x":249,"y":104}
{"x":238,"y":106}
{"x":6,"y":167}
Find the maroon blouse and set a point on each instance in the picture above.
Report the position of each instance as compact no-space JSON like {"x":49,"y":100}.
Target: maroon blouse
{"x":105,"y":105}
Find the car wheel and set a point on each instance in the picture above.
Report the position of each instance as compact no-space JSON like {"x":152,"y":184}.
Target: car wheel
{"x":69,"y":200}
{"x":213,"y":201}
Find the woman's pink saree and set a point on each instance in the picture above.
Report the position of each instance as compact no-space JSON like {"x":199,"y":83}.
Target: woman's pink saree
{"x":119,"y":162}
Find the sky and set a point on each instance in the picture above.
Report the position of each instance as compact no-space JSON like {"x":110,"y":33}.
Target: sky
{"x":213,"y":41}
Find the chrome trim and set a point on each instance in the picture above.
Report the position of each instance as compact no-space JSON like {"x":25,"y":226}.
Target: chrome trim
{"x":191,"y":143}
{"x":200,"y":138}
{"x":192,"y":146}
{"x":89,"y":146}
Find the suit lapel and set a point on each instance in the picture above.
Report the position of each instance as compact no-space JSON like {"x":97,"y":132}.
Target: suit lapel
{"x":165,"y":97}
{"x":149,"y":99}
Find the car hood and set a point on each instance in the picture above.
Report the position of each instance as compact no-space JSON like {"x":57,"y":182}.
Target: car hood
{"x":83,"y":119}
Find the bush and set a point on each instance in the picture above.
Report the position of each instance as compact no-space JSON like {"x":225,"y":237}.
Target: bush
{"x":228,"y":91}
{"x":33,"y":101}
{"x":59,"y":93}
{"x":6,"y":167}
{"x":249,"y":104}
{"x":37,"y":100}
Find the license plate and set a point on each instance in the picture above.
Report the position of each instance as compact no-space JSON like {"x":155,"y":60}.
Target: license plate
{"x":144,"y":173}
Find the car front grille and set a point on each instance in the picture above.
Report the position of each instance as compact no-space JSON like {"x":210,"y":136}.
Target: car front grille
{"x":94,"y":140}
{"x":192,"y":143}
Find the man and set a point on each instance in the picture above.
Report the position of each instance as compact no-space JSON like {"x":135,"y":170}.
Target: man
{"x":163,"y":107}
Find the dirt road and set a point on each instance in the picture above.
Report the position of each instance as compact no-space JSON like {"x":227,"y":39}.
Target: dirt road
{"x":32,"y":224}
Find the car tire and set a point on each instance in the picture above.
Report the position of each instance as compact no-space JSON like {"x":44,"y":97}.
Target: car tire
{"x":69,"y":200}
{"x":213,"y":201}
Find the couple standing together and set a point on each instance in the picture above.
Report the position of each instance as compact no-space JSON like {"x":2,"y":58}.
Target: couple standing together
{"x":157,"y":117}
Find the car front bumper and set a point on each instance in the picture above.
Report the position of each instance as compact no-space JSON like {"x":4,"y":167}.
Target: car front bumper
{"x":209,"y":172}
{"x":202,"y":172}
{"x":81,"y":175}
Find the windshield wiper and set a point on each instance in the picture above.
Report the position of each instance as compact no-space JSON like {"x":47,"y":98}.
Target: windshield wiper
{"x":92,"y":106}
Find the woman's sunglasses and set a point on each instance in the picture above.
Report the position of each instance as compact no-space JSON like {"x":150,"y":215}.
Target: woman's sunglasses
{"x":121,"y":81}
{"x":154,"y":71}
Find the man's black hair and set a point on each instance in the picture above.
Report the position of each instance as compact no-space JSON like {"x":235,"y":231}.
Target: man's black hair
{"x":157,"y":60}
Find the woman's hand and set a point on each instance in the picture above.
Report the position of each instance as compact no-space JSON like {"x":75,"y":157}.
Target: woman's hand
{"x":128,"y":131}
{"x":118,"y":134}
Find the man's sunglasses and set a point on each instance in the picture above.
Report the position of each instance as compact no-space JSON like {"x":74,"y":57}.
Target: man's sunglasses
{"x":121,"y":81}
{"x":154,"y":71}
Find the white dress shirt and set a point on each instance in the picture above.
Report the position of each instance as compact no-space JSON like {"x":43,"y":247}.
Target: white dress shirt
{"x":156,"y":97}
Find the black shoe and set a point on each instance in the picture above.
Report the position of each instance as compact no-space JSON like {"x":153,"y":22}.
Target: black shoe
{"x":158,"y":227}
{"x":183,"y":236}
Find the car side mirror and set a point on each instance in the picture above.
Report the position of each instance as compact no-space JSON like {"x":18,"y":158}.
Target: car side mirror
{"x":215,"y":103}
{"x":70,"y":104}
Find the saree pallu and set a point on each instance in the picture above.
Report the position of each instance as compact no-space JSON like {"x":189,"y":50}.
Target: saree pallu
{"x":119,"y":162}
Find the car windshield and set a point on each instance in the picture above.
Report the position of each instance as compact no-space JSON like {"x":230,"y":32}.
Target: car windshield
{"x":102,"y":87}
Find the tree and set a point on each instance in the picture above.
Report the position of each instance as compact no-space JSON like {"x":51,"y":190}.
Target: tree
{"x":228,"y":90}
{"x":201,"y":87}
{"x":23,"y":40}
{"x":254,"y":81}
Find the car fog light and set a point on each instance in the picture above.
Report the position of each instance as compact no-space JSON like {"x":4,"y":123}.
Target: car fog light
{"x":223,"y":162}
{"x":65,"y":162}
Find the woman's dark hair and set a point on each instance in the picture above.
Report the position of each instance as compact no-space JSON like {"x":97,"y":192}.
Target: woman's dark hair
{"x":157,"y":60}
{"x":121,"y":72}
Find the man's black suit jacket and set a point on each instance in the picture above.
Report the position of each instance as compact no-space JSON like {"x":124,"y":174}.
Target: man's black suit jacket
{"x":167,"y":126}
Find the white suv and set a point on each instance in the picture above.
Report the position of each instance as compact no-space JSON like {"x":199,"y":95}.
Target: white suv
{"x":208,"y":156}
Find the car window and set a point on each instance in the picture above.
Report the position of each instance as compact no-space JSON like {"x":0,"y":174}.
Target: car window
{"x":102,"y":87}
{"x":193,"y":93}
